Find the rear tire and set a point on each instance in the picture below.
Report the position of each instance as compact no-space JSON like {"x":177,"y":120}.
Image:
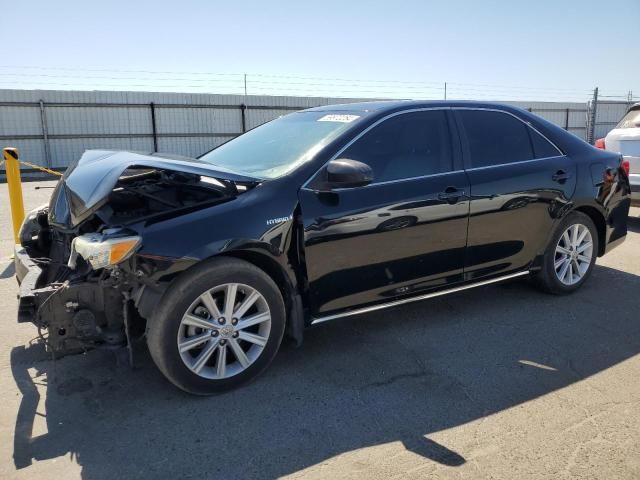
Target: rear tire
{"x":197,"y":347}
{"x":570,"y":255}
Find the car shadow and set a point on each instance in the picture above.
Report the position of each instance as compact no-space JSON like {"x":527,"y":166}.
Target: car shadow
{"x":633,"y":224}
{"x":8,"y":271}
{"x":394,"y":376}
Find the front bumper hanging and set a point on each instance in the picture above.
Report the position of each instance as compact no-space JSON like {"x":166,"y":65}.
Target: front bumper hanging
{"x":28,"y":275}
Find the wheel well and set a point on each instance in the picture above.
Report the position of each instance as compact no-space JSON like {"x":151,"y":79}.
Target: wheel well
{"x":149,"y":299}
{"x":601,"y":225}
{"x":292,"y":301}
{"x":270,"y":267}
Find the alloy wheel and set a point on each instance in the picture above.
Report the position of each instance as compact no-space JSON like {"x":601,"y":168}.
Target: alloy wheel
{"x":574,"y":253}
{"x":224,"y":331}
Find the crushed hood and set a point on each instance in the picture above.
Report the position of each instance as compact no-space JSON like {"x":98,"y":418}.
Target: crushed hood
{"x":88,"y":182}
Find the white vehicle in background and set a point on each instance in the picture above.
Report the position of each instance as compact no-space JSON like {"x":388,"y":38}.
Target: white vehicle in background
{"x":625,"y":138}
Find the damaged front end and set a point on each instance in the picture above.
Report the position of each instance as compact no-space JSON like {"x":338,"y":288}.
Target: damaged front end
{"x":80,"y":277}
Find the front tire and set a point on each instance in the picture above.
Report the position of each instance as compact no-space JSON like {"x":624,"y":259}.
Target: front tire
{"x":570,"y":255}
{"x":218,"y":326}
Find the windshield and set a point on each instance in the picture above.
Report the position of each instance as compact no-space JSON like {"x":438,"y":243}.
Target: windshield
{"x":278,"y":147}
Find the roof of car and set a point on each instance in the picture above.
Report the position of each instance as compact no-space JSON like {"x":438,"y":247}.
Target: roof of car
{"x":384,"y":105}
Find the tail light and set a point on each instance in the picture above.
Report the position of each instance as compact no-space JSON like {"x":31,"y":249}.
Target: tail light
{"x":624,"y":165}
{"x":600,"y":144}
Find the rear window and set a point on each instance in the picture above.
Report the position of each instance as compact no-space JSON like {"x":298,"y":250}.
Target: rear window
{"x":541,"y":146}
{"x":631,"y":119}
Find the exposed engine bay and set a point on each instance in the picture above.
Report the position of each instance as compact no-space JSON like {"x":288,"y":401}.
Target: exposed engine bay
{"x":83,"y":283}
{"x":144,"y":193}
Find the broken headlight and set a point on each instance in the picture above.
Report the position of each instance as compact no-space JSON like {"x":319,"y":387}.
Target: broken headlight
{"x":31,"y":225}
{"x":103,"y":250}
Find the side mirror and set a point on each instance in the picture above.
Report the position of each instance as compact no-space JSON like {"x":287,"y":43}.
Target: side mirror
{"x":346,"y":173}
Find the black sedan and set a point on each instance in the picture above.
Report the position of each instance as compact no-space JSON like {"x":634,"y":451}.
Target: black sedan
{"x":321,"y":214}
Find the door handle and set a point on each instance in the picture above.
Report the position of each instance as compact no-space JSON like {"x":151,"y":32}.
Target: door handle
{"x":451,"y":195}
{"x":560,"y":176}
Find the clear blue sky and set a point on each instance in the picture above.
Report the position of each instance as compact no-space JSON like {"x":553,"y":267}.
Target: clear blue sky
{"x":536,"y":49}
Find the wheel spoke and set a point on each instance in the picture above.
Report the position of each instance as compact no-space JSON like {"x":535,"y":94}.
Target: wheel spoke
{"x":584,"y":258}
{"x":230,"y":300}
{"x":253,"y":320}
{"x":582,"y":235}
{"x":192,"y":342}
{"x":246,"y":304}
{"x":564,"y":251}
{"x":566,"y":239}
{"x":570,"y":272}
{"x":563,"y":271}
{"x":584,"y":246}
{"x":577,"y":267}
{"x":196,"y":321}
{"x":210,"y":305}
{"x":239,"y":353}
{"x":253,"y":338}
{"x":222,"y":361}
{"x":574,"y":235}
{"x":560,"y":262}
{"x":205,"y":355}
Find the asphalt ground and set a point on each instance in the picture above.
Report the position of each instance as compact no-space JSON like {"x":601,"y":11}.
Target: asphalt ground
{"x":499,"y":382}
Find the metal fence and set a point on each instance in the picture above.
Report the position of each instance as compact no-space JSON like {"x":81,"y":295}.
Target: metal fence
{"x":607,"y":114}
{"x":52,"y":128}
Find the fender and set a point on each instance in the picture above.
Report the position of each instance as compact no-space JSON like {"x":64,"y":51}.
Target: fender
{"x":274,"y":250}
{"x":605,"y":202}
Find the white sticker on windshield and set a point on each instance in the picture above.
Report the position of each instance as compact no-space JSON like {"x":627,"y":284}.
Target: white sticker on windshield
{"x":338,"y":118}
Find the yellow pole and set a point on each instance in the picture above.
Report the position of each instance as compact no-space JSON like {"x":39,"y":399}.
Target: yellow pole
{"x":15,"y":189}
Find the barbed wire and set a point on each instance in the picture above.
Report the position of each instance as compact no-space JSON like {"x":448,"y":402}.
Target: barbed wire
{"x":318,"y":90}
{"x":274,"y":84}
{"x":235,"y":81}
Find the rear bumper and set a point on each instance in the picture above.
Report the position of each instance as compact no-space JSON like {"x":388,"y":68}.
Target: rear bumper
{"x":28,"y":275}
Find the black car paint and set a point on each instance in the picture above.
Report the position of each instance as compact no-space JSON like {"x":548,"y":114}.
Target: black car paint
{"x":283,"y":225}
{"x":376,"y":264}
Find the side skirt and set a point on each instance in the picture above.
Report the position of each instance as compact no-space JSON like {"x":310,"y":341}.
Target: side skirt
{"x":396,"y":303}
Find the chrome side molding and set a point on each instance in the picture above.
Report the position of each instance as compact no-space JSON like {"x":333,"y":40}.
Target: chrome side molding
{"x":396,"y":303}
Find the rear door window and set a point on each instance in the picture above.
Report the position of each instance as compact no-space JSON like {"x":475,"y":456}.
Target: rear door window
{"x":495,"y":138}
